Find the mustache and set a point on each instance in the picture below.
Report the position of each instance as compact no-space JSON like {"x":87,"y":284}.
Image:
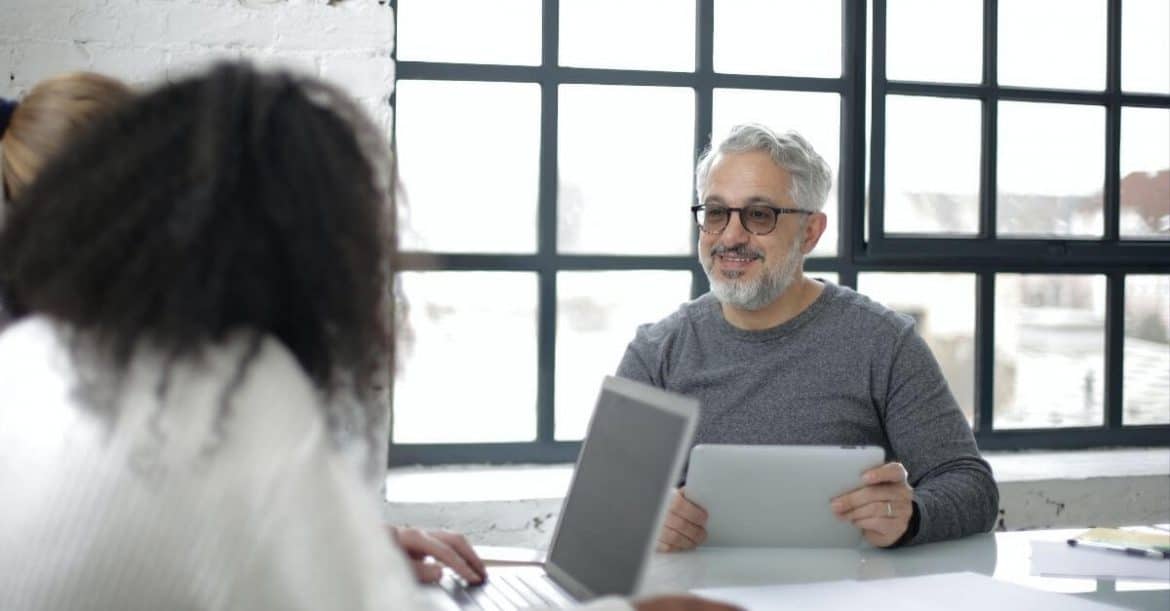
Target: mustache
{"x":742,"y":252}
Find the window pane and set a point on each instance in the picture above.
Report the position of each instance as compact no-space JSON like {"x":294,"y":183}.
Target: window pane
{"x":817,"y":116}
{"x":928,"y":40}
{"x":469,"y":166}
{"x":1052,"y":43}
{"x":623,"y":26}
{"x":1147,"y":350}
{"x":597,"y":315}
{"x":1145,"y":173}
{"x":469,"y":31}
{"x":625,"y":166}
{"x":932,"y":165}
{"x":943,"y":308}
{"x":778,"y":37}
{"x":1050,"y":169}
{"x":1145,"y":46}
{"x":1049,"y":351}
{"x":467,"y":362}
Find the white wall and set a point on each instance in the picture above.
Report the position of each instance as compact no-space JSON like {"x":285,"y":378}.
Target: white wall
{"x":145,"y":42}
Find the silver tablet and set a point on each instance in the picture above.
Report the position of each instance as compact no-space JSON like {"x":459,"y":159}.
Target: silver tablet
{"x":777,"y":496}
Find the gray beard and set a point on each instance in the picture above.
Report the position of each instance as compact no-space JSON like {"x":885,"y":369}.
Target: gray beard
{"x":752,"y":295}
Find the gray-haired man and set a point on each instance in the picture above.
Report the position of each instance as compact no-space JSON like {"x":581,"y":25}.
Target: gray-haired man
{"x":779,"y":358}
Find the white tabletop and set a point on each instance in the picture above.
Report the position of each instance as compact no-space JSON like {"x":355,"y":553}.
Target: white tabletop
{"x":1004,"y":556}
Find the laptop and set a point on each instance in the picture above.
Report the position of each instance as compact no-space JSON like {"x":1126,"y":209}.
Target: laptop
{"x":630,"y":460}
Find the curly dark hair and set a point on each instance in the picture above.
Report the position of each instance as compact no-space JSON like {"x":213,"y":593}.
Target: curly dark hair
{"x":236,"y":199}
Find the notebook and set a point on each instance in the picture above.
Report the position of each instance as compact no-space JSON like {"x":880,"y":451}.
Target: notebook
{"x":630,"y":459}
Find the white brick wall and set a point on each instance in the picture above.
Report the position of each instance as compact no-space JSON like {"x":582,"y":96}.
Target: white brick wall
{"x":144,"y":42}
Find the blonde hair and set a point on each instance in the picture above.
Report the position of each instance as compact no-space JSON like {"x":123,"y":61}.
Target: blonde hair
{"x":55,"y":110}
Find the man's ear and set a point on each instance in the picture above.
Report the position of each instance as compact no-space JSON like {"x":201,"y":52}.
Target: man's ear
{"x":814,"y":227}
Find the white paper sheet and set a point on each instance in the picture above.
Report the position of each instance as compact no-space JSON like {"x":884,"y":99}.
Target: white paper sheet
{"x":950,"y":591}
{"x":1058,"y":559}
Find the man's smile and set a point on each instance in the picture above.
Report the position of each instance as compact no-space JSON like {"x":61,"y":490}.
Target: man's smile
{"x":735,"y":260}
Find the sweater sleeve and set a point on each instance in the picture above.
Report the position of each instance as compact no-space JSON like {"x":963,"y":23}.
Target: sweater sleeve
{"x":323,"y":545}
{"x":641,"y":362}
{"x":953,"y":485}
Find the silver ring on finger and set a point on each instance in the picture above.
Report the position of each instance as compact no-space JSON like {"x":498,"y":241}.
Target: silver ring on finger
{"x":889,"y":510}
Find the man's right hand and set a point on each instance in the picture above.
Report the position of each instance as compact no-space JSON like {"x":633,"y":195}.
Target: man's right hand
{"x":681,"y":602}
{"x":685,"y":526}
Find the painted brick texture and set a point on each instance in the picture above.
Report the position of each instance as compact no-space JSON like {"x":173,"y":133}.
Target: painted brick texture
{"x":144,"y":42}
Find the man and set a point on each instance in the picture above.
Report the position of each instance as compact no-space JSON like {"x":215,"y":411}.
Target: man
{"x":779,"y":358}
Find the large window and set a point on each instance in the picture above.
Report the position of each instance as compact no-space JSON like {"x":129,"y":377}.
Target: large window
{"x":1014,"y":199}
{"x":1020,"y":151}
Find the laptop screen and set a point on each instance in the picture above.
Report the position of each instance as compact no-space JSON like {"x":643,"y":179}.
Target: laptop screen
{"x":627,"y":461}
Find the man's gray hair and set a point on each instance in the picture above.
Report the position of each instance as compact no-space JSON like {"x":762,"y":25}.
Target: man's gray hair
{"x":811,"y":176}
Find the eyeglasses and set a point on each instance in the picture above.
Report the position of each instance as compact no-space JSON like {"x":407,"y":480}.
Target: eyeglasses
{"x":756,"y":218}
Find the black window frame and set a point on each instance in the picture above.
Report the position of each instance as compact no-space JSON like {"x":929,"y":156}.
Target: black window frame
{"x":986,"y":255}
{"x":857,"y":252}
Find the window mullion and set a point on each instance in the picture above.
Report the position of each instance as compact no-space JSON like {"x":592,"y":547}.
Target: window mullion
{"x":1114,"y":349}
{"x":547,"y":228}
{"x":851,"y":182}
{"x":877,"y":138}
{"x":704,"y":94}
{"x":985,"y":352}
{"x":1112,"y":196}
{"x":987,"y":188}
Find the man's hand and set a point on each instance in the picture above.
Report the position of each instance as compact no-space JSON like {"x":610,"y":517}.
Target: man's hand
{"x":681,"y":602}
{"x":882,"y":507}
{"x":685,"y":526}
{"x":446,"y":548}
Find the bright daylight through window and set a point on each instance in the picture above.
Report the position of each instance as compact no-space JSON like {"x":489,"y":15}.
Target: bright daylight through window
{"x":1001,"y":176}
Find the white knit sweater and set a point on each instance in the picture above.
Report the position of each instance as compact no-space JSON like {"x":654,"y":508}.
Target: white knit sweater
{"x":163,"y":509}
{"x":155,"y":510}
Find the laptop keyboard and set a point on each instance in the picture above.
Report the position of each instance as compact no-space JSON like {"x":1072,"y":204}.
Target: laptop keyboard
{"x":506,"y":591}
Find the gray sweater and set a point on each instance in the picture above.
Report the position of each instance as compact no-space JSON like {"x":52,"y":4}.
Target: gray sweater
{"x":846,"y":371}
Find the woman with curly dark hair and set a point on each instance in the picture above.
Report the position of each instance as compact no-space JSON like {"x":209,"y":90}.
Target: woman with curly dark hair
{"x":205,"y":274}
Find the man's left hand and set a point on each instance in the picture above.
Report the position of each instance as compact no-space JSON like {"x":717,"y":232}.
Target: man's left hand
{"x":882,"y":507}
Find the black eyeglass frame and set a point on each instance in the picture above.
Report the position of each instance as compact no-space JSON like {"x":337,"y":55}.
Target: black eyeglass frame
{"x":695,"y":210}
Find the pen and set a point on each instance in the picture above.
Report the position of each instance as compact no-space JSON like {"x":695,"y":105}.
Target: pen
{"x":1132,"y":551}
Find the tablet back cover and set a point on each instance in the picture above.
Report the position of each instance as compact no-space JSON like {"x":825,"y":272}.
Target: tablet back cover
{"x":777,"y":496}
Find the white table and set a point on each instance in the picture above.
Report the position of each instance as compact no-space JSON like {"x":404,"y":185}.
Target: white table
{"x":1005,"y":556}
